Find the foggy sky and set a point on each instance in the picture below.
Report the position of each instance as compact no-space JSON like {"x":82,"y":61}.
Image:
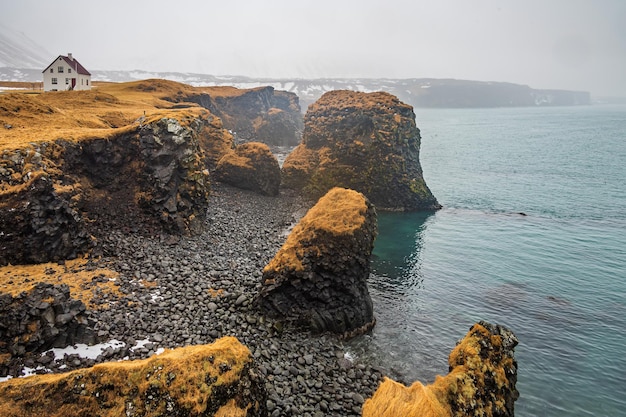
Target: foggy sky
{"x":564,"y":44}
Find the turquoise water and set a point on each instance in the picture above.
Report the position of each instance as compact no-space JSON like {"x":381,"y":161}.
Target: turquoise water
{"x":532,"y":236}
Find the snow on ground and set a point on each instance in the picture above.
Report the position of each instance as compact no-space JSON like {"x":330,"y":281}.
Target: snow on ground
{"x":84,"y":352}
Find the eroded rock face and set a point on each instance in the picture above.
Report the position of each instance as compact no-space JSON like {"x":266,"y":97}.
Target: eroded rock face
{"x":251,"y":166}
{"x":203,"y":380}
{"x":318,"y":279}
{"x":50,"y":190}
{"x":37,"y":224}
{"x":364,"y":141}
{"x":176,"y":184}
{"x":481,"y":382}
{"x":258,"y":114}
{"x":40,"y":319}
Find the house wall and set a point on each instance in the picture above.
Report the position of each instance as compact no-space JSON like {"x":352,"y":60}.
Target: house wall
{"x":64,"y":79}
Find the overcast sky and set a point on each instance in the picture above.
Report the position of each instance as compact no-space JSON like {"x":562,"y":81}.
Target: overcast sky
{"x":567,"y":44}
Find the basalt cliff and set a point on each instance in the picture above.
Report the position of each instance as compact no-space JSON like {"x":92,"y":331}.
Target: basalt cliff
{"x":112,"y":188}
{"x":139,"y":151}
{"x":367,"y":142}
{"x":318,"y":279}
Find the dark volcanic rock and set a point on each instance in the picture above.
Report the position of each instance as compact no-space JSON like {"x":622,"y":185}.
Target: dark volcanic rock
{"x":481,"y":382}
{"x":259,"y":114}
{"x":318,"y":279}
{"x":366,"y":142}
{"x":175,"y":185}
{"x":202,"y":380}
{"x":50,"y":190}
{"x":250,"y":167}
{"x":42,"y":318}
{"x":39,"y":225}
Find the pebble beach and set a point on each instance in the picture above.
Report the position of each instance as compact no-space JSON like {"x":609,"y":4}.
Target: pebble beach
{"x":179,"y":291}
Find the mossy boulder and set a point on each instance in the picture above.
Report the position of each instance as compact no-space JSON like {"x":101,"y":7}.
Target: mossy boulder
{"x":318,"y":278}
{"x":251,"y":166}
{"x":481,"y":382}
{"x":203,"y":380}
{"x":368,"y":142}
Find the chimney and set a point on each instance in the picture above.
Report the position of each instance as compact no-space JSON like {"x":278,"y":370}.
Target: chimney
{"x":69,"y":55}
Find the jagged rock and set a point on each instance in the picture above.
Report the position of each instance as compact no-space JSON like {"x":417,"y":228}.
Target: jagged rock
{"x":364,"y":141}
{"x":481,"y":382}
{"x":49,"y":189}
{"x":318,"y":279}
{"x":175,"y":185}
{"x":42,"y":318}
{"x":259,"y":114}
{"x":252,"y":167}
{"x":202,"y":380}
{"x":38,"y":225}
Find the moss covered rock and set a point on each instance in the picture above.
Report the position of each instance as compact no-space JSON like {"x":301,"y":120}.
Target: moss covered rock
{"x":368,"y":142}
{"x":251,"y":166}
{"x":204,"y":380}
{"x":318,"y":279}
{"x":481,"y":382}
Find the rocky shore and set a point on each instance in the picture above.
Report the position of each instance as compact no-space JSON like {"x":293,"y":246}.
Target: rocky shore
{"x":181,"y":291}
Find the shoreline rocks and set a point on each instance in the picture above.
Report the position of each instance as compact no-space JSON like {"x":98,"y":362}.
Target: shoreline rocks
{"x":318,"y":279}
{"x":367,"y":142}
{"x":205,"y":380}
{"x":482,"y":378}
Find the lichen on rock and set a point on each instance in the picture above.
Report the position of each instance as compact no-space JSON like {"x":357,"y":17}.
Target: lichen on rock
{"x":481,"y":382}
{"x":318,"y":279}
{"x":368,"y":142}
{"x":251,"y":166}
{"x":202,"y":380}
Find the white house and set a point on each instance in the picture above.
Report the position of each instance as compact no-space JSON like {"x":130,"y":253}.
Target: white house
{"x":66,"y":73}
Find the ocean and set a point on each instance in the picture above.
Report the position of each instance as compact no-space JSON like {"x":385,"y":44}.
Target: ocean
{"x":532,"y":235}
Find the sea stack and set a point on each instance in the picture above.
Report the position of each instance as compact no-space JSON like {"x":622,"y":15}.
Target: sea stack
{"x":318,"y":279}
{"x":481,"y":381}
{"x":367,"y":142}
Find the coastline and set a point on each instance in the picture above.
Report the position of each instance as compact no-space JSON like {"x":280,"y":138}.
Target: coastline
{"x":180,"y":291}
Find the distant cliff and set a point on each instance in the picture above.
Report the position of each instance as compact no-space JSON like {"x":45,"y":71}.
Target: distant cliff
{"x":418,"y":92}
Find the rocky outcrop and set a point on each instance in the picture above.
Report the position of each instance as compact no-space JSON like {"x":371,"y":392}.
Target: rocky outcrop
{"x":366,"y":142}
{"x":318,"y":279}
{"x":175,"y":183}
{"x":481,"y":382}
{"x":203,"y":380}
{"x":40,"y":319}
{"x":38,"y":224}
{"x":251,"y":166}
{"x":258,"y":114}
{"x":50,"y":190}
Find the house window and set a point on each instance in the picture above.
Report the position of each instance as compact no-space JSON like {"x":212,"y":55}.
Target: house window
{"x":67,"y":81}
{"x":54,"y":81}
{"x":87,"y":82}
{"x":51,"y":70}
{"x":69,"y":70}
{"x":60,"y":69}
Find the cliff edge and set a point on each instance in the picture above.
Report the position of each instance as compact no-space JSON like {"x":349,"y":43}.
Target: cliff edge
{"x":481,"y":382}
{"x":203,"y":380}
{"x":367,"y":142}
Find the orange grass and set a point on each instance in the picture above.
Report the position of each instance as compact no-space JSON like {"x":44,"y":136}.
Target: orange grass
{"x":339,"y":212}
{"x":462,"y":384}
{"x":23,"y":278}
{"x":186,"y":375}
{"x":106,"y":110}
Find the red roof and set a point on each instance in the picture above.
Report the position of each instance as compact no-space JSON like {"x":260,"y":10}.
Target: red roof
{"x":73,"y":63}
